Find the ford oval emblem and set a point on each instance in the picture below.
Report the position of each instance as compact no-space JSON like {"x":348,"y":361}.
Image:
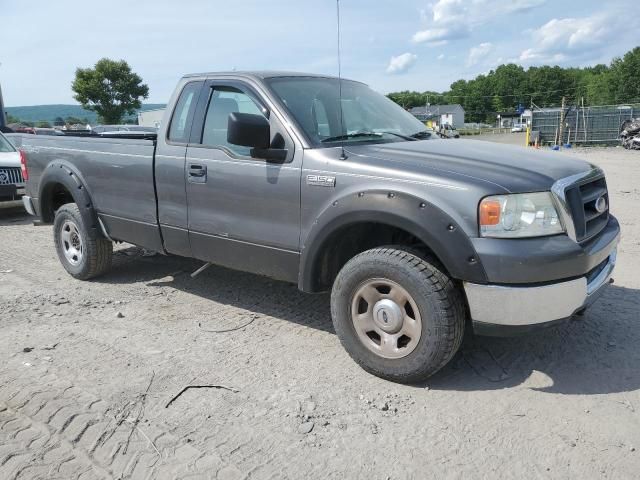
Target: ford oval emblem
{"x":601,"y":205}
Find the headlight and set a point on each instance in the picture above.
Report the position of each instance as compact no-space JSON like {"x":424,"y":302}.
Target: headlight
{"x":519,"y":215}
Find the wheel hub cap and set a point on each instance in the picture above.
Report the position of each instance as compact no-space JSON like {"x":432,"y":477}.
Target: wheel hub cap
{"x":386,"y":318}
{"x":387,"y":315}
{"x":71,"y":242}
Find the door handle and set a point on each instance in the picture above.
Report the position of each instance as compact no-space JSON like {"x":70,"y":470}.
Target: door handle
{"x":197,"y":173}
{"x":197,"y":170}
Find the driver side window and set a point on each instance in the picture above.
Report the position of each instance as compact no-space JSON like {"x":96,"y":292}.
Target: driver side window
{"x":222,"y":102}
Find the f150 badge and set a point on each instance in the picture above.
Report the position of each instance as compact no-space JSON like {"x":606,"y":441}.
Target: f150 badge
{"x":321,"y":180}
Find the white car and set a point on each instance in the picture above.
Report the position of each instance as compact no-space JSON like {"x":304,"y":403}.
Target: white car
{"x":11,"y":176}
{"x":518,"y":127}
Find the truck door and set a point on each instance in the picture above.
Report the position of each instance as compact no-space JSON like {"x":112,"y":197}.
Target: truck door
{"x":243,"y":212}
{"x":170,"y":168}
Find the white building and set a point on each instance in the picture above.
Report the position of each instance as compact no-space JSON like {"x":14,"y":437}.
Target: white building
{"x":452,"y":115}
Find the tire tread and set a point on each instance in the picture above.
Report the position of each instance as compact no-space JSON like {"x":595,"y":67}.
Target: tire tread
{"x":99,"y":250}
{"x":447,"y":296}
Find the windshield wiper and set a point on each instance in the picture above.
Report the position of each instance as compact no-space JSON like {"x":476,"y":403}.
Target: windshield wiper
{"x":422,"y":134}
{"x":365,"y":134}
{"x":405,"y":137}
{"x":351,"y":135}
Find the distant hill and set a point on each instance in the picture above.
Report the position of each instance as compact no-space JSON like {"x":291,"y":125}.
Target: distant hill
{"x":48,"y":113}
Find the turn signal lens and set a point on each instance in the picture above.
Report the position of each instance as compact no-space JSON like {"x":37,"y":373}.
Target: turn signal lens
{"x":489,"y":212}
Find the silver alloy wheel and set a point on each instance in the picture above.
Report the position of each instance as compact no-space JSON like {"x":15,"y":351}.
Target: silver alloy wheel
{"x":71,"y":242}
{"x":386,"y":318}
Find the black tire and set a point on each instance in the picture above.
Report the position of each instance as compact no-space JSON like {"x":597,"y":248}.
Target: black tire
{"x":441,"y":312}
{"x":96,"y":252}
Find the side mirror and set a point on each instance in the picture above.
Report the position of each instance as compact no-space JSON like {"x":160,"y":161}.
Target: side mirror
{"x":249,"y":130}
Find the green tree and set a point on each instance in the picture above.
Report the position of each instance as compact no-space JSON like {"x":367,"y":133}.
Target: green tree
{"x":408,"y":99}
{"x":504,"y":88}
{"x":75,"y":120}
{"x":111,"y":89}
{"x":43,"y":124}
{"x":497,"y":105}
{"x":58,"y":122}
{"x":626,"y":77}
{"x":600,"y":88}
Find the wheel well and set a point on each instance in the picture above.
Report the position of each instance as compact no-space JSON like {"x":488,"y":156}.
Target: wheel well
{"x":56,"y":196}
{"x":349,"y":241}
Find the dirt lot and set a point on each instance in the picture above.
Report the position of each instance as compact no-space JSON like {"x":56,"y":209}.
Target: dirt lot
{"x":87,"y":370}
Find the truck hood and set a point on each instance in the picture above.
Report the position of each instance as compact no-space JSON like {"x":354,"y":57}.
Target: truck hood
{"x":512,"y":168}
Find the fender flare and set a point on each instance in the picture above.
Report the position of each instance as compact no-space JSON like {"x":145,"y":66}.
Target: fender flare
{"x":437,"y":230}
{"x":64,"y":173}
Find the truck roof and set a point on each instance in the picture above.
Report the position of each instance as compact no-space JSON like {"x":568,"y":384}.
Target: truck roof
{"x":263,"y":74}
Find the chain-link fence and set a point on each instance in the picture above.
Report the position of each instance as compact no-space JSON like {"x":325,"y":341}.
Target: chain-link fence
{"x":582,"y":125}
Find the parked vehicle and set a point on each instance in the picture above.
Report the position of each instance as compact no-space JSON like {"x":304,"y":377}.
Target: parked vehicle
{"x":47,"y":131}
{"x":11,"y":175}
{"x":280,"y":175}
{"x":518,"y":127}
{"x":25,"y":129}
{"x":448,"y":131}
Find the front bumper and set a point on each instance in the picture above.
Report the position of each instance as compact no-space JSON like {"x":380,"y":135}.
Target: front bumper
{"x":11,"y":192}
{"x":506,"y":309}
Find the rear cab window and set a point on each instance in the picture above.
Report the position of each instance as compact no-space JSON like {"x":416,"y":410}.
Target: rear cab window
{"x":180,"y":126}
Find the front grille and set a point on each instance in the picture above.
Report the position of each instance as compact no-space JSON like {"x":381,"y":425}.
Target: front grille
{"x":582,"y":199}
{"x":11,"y":176}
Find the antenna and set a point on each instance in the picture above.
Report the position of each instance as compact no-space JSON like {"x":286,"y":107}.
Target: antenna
{"x":343,"y":155}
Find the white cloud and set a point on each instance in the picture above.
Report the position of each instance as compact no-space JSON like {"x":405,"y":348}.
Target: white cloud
{"x":401,"y":63}
{"x":561,"y":40}
{"x":438,"y":36}
{"x":518,"y":5}
{"x":533,"y":56}
{"x":441,"y":56}
{"x":479,"y":53}
{"x":448,"y":20}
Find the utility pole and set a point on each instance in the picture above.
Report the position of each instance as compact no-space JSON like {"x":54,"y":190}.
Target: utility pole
{"x":561,"y":126}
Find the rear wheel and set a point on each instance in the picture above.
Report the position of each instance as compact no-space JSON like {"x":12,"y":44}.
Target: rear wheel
{"x":398,"y":315}
{"x":83,"y":256}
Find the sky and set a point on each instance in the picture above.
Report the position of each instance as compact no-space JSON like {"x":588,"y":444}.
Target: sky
{"x":390,"y":44}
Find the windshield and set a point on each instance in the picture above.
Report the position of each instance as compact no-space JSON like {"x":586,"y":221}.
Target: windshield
{"x":5,"y":145}
{"x":368,"y":116}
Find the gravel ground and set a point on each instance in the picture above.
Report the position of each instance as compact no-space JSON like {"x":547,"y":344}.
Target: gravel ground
{"x":88,"y":368}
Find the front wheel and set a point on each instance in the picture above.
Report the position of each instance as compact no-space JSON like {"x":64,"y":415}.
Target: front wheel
{"x":398,"y":315}
{"x":82,"y":255}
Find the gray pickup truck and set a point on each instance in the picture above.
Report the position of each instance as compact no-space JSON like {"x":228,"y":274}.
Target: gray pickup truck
{"x":417,"y":238}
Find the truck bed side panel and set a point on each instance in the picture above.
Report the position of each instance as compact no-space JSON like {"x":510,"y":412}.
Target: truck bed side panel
{"x":117,"y":173}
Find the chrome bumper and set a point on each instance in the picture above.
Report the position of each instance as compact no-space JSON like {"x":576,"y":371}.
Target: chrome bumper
{"x":518,"y":306}
{"x":28,"y":205}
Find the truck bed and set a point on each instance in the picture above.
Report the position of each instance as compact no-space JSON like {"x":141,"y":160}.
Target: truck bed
{"x":117,"y":172}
